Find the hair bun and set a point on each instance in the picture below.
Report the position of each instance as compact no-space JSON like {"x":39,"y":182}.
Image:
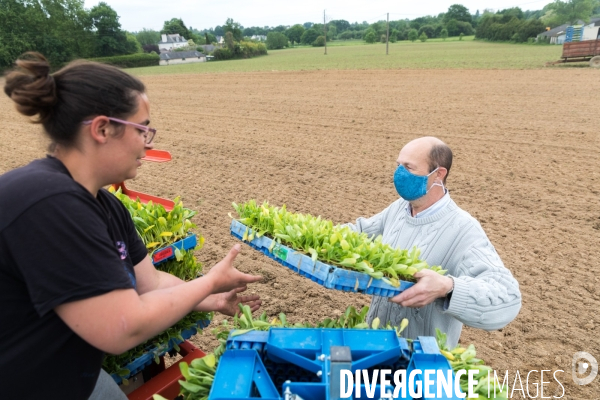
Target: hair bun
{"x":32,"y":87}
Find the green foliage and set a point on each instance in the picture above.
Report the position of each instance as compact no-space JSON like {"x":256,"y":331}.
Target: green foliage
{"x":444,"y":34}
{"x":335,"y":245}
{"x":130,"y":60}
{"x":460,"y":37}
{"x":370,"y":36}
{"x":346,"y":35}
{"x":176,"y":25}
{"x":456,"y":27}
{"x":413,"y":35}
{"x":209,"y":38}
{"x":429,"y":30}
{"x":148,"y":36}
{"x":294,"y":34}
{"x":423,"y":37}
{"x":319,"y":41}
{"x":110,"y":39}
{"x":230,"y":41}
{"x":244,"y":49}
{"x":571,"y":11}
{"x":506,"y":27}
{"x":457,"y":12}
{"x":234,"y":28}
{"x":113,"y":364}
{"x":276,"y":40}
{"x":309,"y":36}
{"x":133,"y":46}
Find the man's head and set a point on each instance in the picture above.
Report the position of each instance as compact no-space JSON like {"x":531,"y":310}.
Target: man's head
{"x":423,"y":155}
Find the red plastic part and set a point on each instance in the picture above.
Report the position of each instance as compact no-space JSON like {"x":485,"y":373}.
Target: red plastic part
{"x":167,"y":382}
{"x":157,"y":155}
{"x":144,"y":198}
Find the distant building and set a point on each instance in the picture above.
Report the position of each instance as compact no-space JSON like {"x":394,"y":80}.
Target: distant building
{"x":170,"y":42}
{"x":181,"y":57}
{"x":220,"y":39}
{"x":260,"y":38}
{"x":558,"y":35}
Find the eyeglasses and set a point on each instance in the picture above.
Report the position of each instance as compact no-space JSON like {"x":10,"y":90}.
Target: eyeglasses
{"x":148,"y":132}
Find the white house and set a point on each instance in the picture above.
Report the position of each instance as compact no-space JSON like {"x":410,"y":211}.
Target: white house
{"x":220,"y":39}
{"x":181,"y":57}
{"x":260,"y":38}
{"x":170,"y":42}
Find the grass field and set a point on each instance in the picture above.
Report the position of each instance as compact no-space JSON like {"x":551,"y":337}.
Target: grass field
{"x":433,"y":54}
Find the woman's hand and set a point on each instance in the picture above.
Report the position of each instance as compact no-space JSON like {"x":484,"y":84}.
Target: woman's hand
{"x":224,"y":277}
{"x":227,"y":303}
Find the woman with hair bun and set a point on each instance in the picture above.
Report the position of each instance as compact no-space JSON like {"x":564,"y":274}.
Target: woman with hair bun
{"x":75,"y":279}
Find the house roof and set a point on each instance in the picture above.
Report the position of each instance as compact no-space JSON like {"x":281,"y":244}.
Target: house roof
{"x":174,"y":38}
{"x":562,"y":28}
{"x":178,"y":55}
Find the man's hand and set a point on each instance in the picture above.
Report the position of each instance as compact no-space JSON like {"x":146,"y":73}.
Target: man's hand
{"x":227,"y":303}
{"x":429,"y":287}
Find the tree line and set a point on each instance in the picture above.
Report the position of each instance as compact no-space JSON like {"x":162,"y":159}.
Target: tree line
{"x":512,"y":24}
{"x":64,"y":29}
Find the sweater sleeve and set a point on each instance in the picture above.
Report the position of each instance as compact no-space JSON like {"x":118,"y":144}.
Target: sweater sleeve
{"x":485,"y":295}
{"x":372,"y":226}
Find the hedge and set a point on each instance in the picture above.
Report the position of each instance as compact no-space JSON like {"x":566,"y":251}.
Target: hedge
{"x":130,"y":60}
{"x":243,"y":49}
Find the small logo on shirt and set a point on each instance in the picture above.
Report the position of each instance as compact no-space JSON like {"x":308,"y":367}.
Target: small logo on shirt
{"x":122,"y":248}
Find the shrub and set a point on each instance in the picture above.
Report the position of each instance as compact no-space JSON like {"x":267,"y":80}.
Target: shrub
{"x":130,"y":60}
{"x":413,"y":35}
{"x":309,"y":36}
{"x":319,"y":41}
{"x":243,"y":49}
{"x":276,"y":40}
{"x":370,"y":37}
{"x":423,"y":37}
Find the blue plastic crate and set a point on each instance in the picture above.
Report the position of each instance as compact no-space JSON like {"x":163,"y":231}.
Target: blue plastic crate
{"x":146,"y":359}
{"x":326,"y":275}
{"x":166,"y":253}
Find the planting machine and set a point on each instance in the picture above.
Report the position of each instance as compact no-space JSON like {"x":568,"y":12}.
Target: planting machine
{"x":306,"y":364}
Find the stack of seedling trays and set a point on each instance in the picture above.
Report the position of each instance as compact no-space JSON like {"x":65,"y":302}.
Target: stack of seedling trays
{"x":170,"y":243}
{"x":326,"y":275}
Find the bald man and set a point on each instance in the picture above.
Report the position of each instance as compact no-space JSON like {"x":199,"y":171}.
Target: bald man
{"x":477,"y":290}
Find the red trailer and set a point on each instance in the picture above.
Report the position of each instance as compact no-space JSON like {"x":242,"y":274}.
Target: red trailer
{"x":586,"y":50}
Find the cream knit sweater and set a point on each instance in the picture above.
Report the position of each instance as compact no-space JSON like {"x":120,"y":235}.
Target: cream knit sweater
{"x":485,"y":296}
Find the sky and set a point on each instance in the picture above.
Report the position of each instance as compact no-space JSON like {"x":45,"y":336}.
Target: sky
{"x":151,"y":14}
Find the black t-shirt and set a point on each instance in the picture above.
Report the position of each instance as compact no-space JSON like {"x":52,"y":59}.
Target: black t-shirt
{"x":58,"y":244}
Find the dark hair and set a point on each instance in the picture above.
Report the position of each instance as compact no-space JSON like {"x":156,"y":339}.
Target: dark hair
{"x":440,"y":155}
{"x":66,"y":98}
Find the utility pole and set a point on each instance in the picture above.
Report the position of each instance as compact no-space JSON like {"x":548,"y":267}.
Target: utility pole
{"x":387,"y":35}
{"x":325,"y":31}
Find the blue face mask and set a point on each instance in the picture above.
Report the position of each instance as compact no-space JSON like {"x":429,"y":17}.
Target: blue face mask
{"x":410,"y":186}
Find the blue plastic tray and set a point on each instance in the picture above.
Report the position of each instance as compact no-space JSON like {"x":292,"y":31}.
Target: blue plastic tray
{"x":326,"y":275}
{"x":146,"y":359}
{"x":166,"y":253}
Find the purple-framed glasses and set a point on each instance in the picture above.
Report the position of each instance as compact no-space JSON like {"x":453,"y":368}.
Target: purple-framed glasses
{"x":148,"y":132}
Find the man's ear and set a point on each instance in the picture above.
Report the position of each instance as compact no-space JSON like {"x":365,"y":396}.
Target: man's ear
{"x":441,"y":173}
{"x":101,"y":129}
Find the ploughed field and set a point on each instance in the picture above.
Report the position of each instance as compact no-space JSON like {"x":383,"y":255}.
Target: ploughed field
{"x":526,"y":165}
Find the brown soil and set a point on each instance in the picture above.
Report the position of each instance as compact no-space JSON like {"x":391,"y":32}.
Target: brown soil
{"x":526,"y":148}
